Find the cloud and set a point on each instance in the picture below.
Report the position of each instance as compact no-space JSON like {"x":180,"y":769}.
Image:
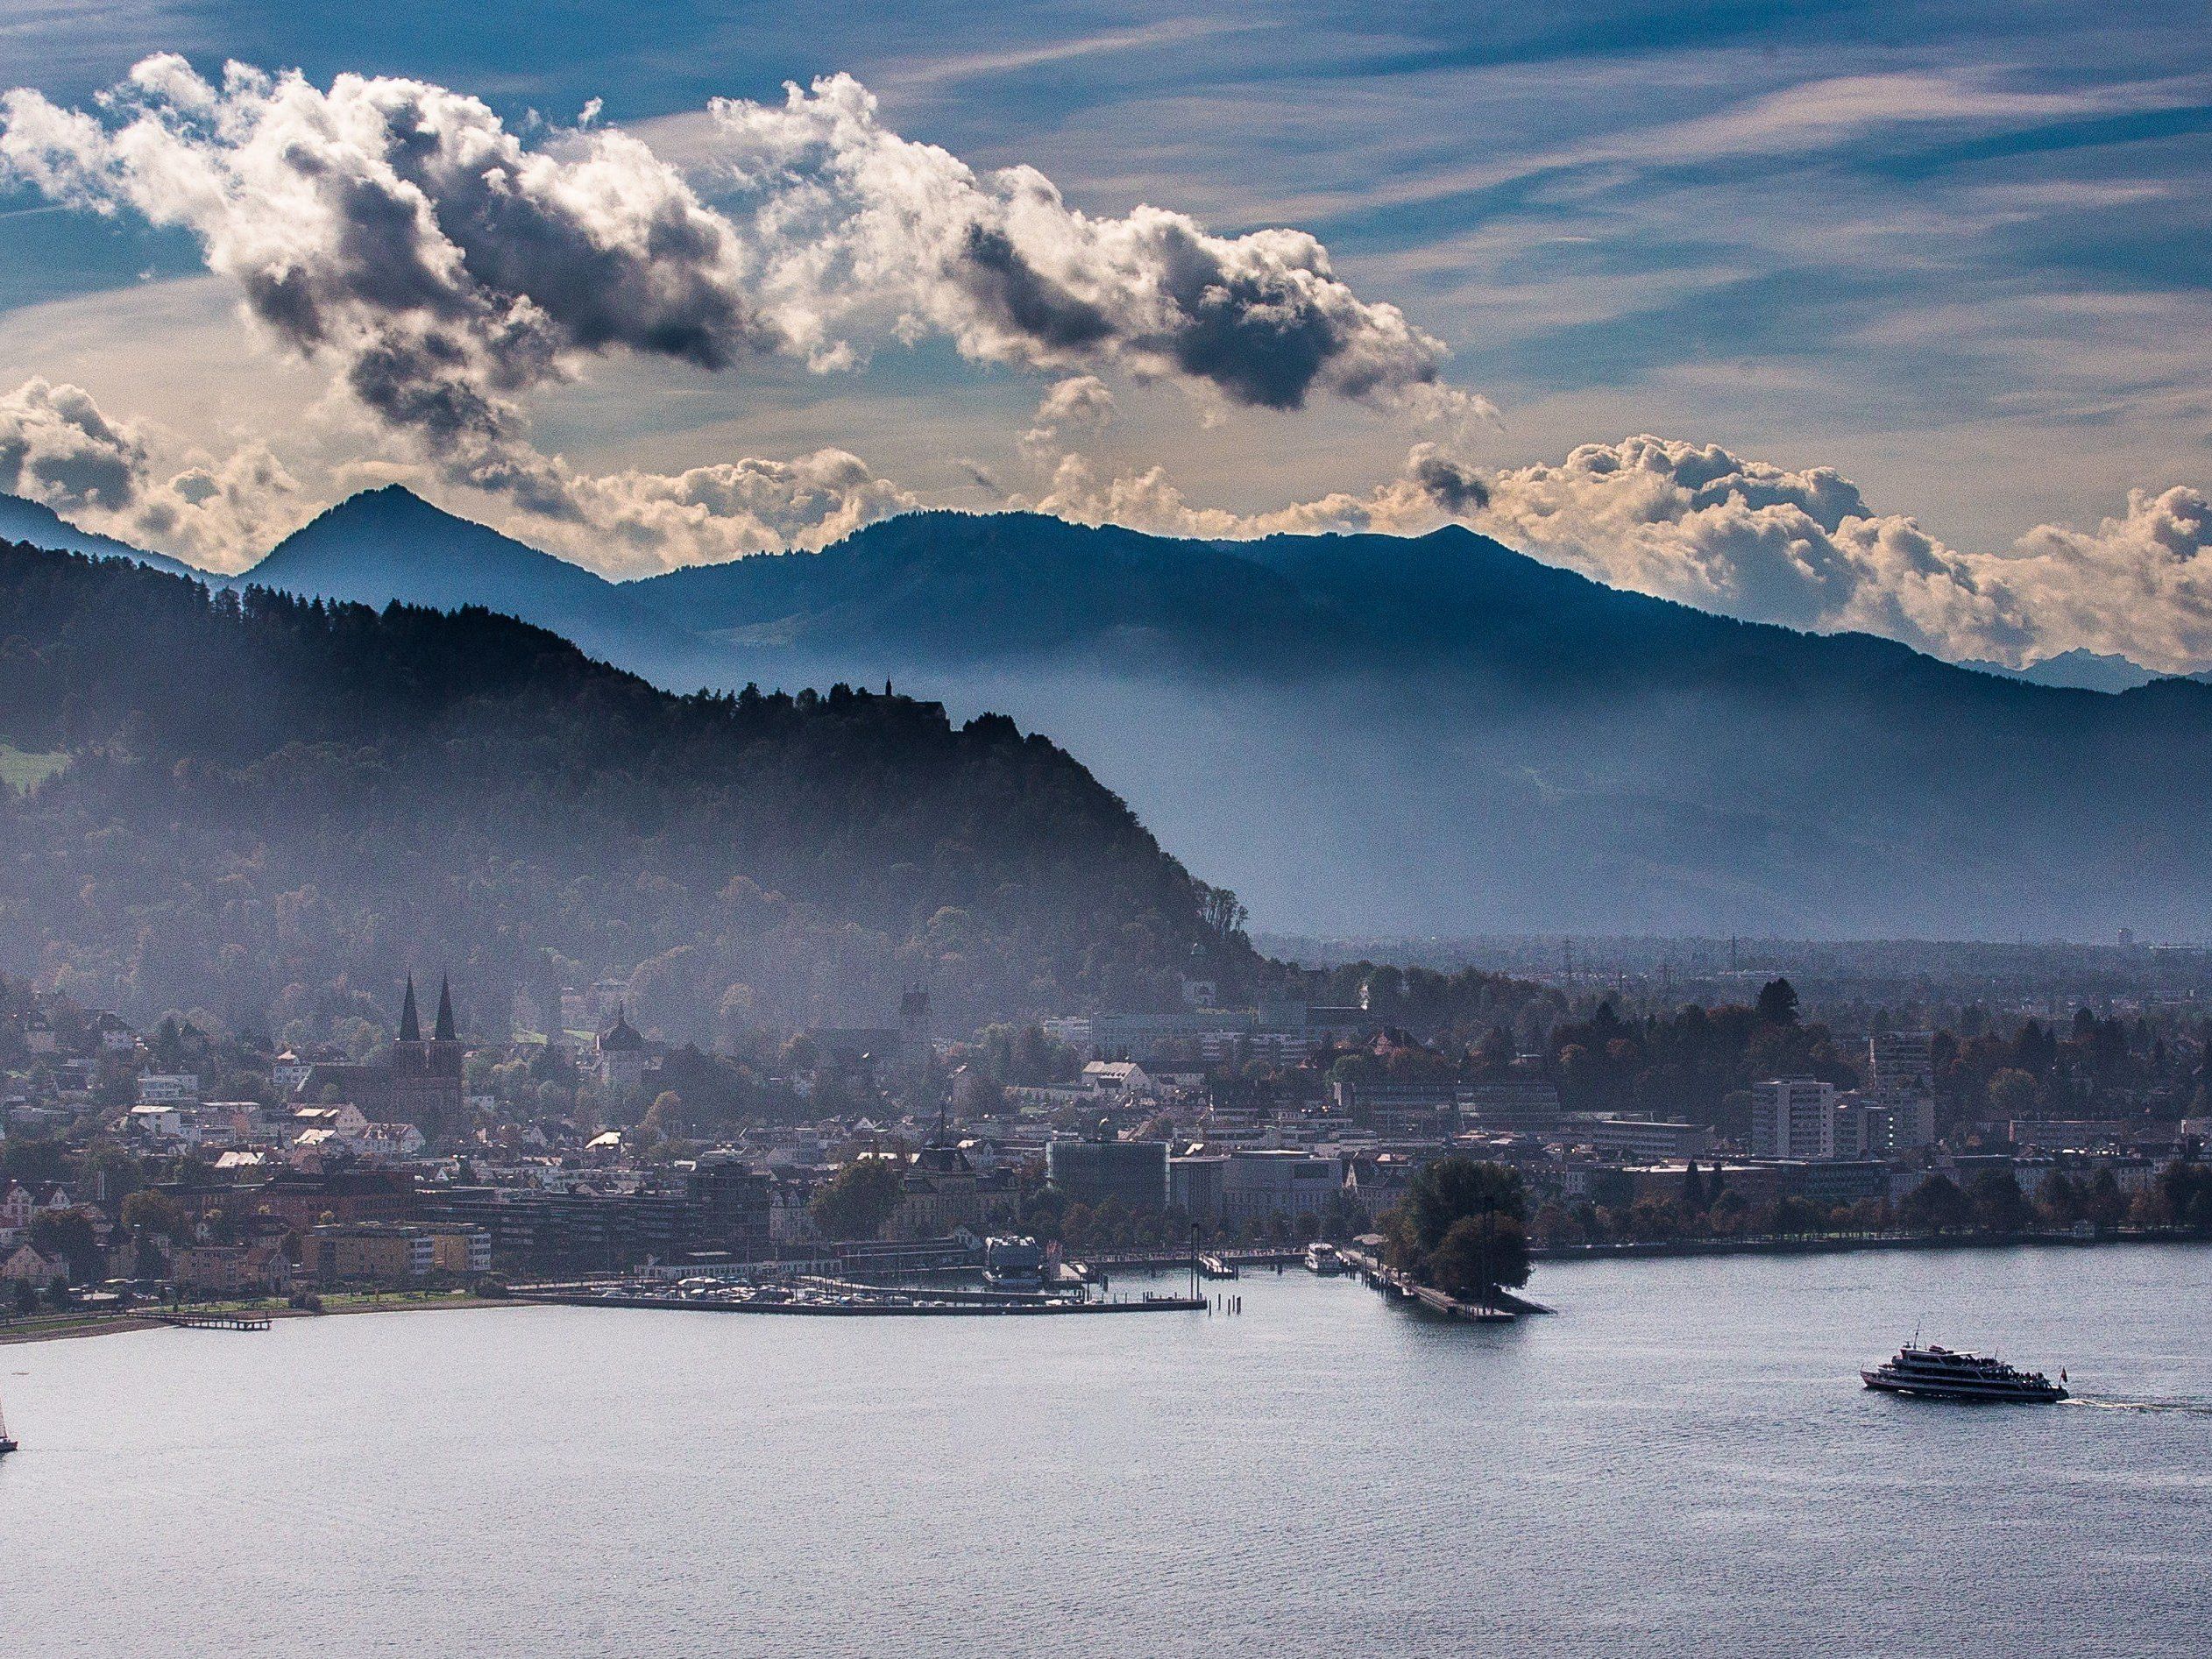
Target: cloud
{"x":1081,"y":403}
{"x":633,"y":523}
{"x":400,"y":232}
{"x":852,"y":217}
{"x":58,"y":447}
{"x":1432,"y":490}
{"x":1697,"y":523}
{"x":445,"y":267}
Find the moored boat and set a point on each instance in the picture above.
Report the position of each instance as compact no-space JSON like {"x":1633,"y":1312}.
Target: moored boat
{"x":1936,"y":1373}
{"x":1321,"y":1257}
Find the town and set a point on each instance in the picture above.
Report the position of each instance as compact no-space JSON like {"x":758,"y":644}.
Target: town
{"x":177,"y":1166}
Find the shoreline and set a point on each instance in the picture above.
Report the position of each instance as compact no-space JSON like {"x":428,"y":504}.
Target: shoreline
{"x":1844,"y":1244}
{"x":120,"y":1324}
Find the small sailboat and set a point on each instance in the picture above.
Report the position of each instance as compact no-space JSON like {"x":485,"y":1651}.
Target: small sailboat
{"x":6,"y":1444}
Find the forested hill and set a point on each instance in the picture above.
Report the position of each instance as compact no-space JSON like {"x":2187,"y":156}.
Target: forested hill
{"x":272,"y":807}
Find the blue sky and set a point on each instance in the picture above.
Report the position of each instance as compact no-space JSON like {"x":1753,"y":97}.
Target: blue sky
{"x":1957,"y":253}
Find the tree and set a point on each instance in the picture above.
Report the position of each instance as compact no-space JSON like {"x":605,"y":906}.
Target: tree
{"x":1693,"y":1188}
{"x":859,"y":1199}
{"x":157,"y":1213}
{"x":1777,"y":1003}
{"x":2012,"y":1092}
{"x":1936,"y":1206}
{"x":1998,"y":1205}
{"x":1478,"y":1255}
{"x":1461,"y":1227}
{"x":68,"y":1234}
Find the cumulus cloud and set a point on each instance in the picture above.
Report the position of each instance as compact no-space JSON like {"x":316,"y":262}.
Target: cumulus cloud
{"x":1081,"y":403}
{"x":58,"y":448}
{"x":1432,"y":490}
{"x":633,"y":523}
{"x":446,"y":267}
{"x":851,"y":215}
{"x":1697,"y":523}
{"x":399,"y":231}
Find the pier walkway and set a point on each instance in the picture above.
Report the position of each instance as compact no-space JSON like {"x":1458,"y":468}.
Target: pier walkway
{"x":213,"y":1322}
{"x":1375,"y":1272}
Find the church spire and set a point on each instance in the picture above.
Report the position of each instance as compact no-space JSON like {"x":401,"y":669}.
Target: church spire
{"x":410,"y":1022}
{"x":445,"y":1032}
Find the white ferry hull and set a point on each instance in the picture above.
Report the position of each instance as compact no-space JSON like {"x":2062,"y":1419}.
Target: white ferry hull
{"x":2000,"y":1393}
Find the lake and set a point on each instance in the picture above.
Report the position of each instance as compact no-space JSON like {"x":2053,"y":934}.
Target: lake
{"x":1682,"y":1461}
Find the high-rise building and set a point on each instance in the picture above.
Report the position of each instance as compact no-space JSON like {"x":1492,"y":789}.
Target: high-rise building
{"x":1901,"y":1081}
{"x":1793,"y":1117}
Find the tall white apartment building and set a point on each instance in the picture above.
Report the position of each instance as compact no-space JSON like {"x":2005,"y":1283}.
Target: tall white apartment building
{"x":1901,"y":1081}
{"x":1793,"y":1117}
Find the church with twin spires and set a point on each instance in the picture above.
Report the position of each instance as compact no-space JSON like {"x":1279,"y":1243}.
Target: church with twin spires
{"x":419,"y":1083}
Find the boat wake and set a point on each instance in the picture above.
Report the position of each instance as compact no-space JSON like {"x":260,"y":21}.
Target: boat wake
{"x":2114,"y":1402}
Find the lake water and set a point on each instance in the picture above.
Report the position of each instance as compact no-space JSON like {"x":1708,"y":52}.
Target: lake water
{"x":1682,"y":1462}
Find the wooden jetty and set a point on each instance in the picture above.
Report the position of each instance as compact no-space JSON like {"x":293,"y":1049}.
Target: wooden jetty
{"x":214,"y":1322}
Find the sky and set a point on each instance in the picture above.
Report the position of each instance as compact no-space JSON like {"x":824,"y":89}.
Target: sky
{"x":1888,"y":317}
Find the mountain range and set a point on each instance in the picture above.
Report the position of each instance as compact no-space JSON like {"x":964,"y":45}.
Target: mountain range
{"x":1433,"y":734}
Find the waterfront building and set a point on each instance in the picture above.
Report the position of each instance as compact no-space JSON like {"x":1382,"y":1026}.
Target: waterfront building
{"x":1090,"y":1172}
{"x":1262,"y":1182}
{"x":259,"y":1269}
{"x":1194,"y":1187}
{"x":366,"y":1252}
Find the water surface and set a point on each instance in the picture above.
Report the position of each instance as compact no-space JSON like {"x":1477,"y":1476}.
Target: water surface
{"x":1681,"y":1462}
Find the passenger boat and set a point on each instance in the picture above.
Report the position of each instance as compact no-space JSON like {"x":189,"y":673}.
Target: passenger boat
{"x":1321,"y":1257}
{"x":1934,"y":1372}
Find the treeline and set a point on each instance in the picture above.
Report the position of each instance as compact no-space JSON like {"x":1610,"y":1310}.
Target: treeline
{"x":274,"y":807}
{"x":1989,"y":1203}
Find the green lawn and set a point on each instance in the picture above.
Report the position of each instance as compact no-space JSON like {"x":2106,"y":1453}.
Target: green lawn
{"x":19,"y":768}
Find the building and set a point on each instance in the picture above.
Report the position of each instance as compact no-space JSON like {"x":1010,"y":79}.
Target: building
{"x":1090,"y":1172}
{"x":253,"y":1269}
{"x":25,"y":1265}
{"x":942,"y":1190}
{"x":420,"y":1083}
{"x":1262,"y":1183}
{"x":1637,"y":1139}
{"x":1120,"y":1079}
{"x":1518,"y":1105}
{"x":1427,"y":1110}
{"x":302,"y":1200}
{"x":366,"y":1252}
{"x":465,"y":1253}
{"x":1194,"y":1187}
{"x":1793,"y":1117}
{"x":1901,"y":1082}
{"x":622,"y":1058}
{"x":168,"y":1088}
